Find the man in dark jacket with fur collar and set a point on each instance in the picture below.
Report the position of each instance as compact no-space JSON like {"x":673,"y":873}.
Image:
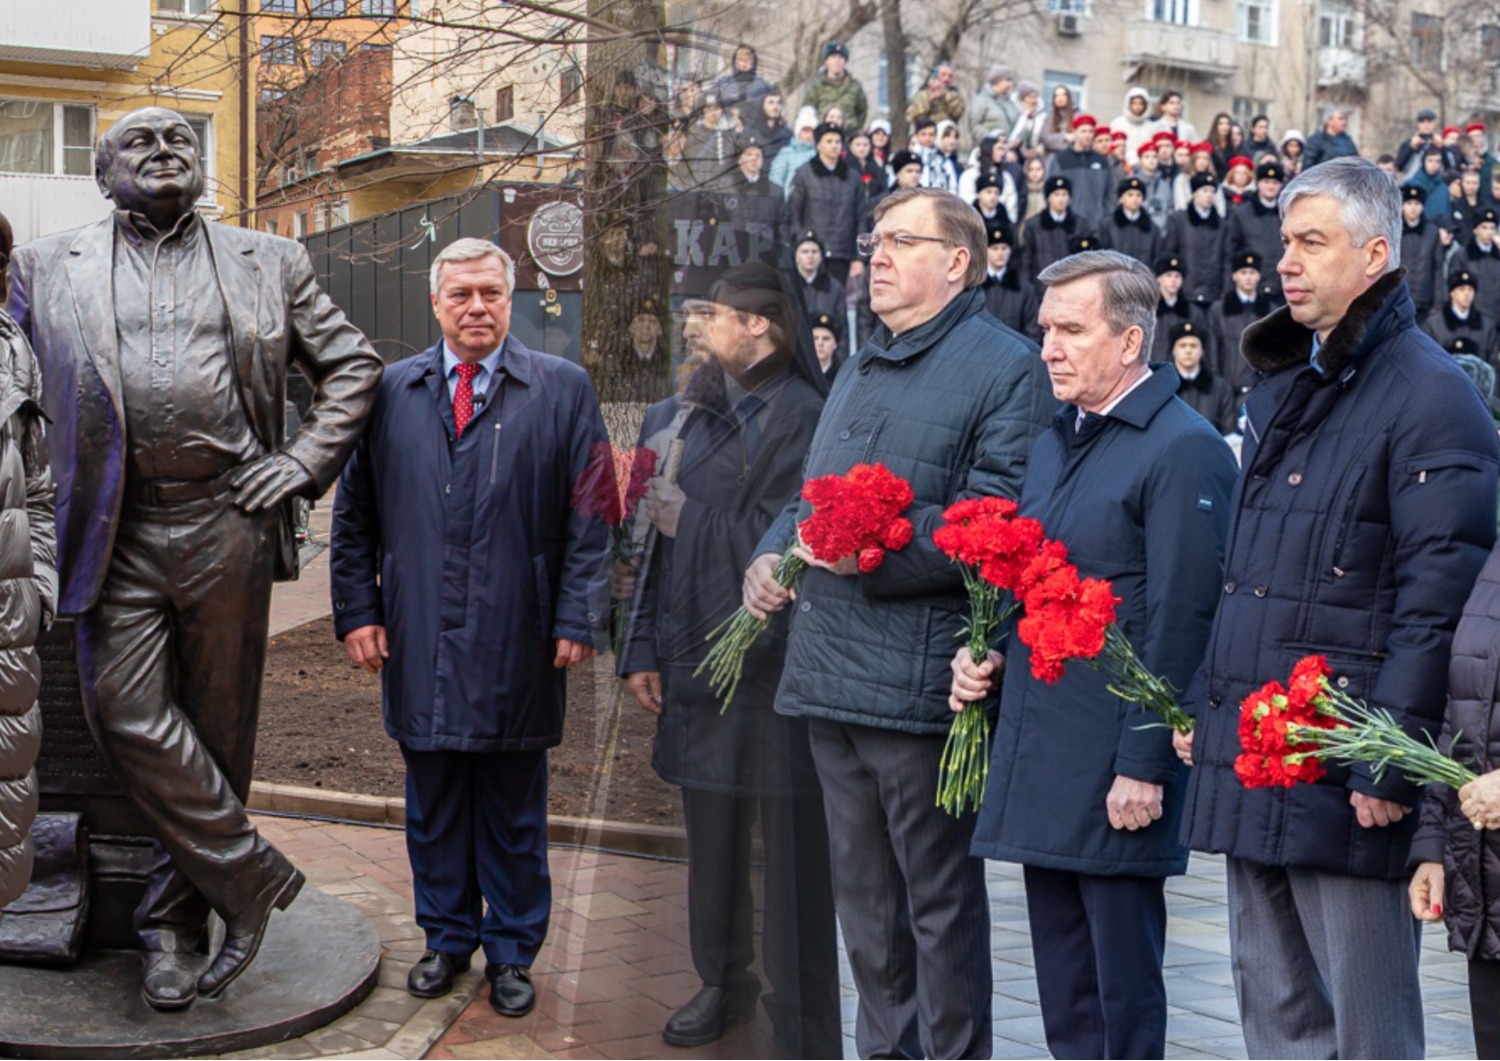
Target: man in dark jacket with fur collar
{"x":1364,"y":514}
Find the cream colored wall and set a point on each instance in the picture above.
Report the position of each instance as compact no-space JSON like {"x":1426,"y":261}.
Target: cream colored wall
{"x":431,"y":64}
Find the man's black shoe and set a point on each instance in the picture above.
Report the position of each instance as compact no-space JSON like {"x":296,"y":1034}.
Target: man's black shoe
{"x":244,"y":933}
{"x":432,"y":977}
{"x":170,"y":981}
{"x":511,"y":993}
{"x":707,"y":1014}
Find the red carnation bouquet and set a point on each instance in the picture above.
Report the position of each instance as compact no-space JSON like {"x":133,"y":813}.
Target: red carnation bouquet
{"x":1289,"y":731}
{"x":857,"y":514}
{"x":994,"y":545}
{"x":610,"y":489}
{"x":1064,"y":617}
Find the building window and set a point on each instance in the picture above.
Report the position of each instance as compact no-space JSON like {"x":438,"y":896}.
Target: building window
{"x":335,"y":214}
{"x":378,"y":8}
{"x":329,"y":8}
{"x":1052,"y":78}
{"x":279,"y":7}
{"x":278,"y":51}
{"x":183,"y":7}
{"x":570,"y":87}
{"x":505,"y":103}
{"x":299,"y":224}
{"x":41,"y":137}
{"x":1245,"y":108}
{"x":377,"y":49}
{"x":203,"y":127}
{"x":273,"y":226}
{"x":1177,"y":11}
{"x":326,"y":51}
{"x":1338,"y":27}
{"x":1426,"y":42}
{"x":1489,"y":44}
{"x":1068,"y":7}
{"x":1256,"y":21}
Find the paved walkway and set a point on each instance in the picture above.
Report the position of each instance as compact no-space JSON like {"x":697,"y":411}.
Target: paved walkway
{"x":616,"y":962}
{"x":616,"y":965}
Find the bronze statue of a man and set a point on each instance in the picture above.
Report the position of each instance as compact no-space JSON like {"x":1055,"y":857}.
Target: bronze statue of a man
{"x":165,"y":341}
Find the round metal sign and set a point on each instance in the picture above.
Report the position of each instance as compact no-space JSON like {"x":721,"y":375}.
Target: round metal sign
{"x":555,"y":238}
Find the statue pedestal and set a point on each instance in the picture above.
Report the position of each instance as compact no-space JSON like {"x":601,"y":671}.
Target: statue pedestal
{"x":320,"y":958}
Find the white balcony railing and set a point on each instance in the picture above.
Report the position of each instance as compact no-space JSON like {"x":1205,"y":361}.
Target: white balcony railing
{"x":41,"y":204}
{"x":109,"y":33}
{"x":1193,"y":49}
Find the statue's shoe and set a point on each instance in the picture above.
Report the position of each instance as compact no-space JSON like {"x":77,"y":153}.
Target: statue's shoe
{"x":244,"y":933}
{"x":170,"y":981}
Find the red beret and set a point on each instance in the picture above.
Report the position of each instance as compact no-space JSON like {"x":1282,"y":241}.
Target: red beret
{"x":1084,"y":119}
{"x":1451,"y":129}
{"x":1163,"y":136}
{"x":1474,"y":127}
{"x":1240,"y":160}
{"x":1202,"y":147}
{"x":1117,"y":135}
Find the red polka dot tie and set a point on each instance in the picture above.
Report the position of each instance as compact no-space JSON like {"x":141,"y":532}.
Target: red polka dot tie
{"x":463,"y":395}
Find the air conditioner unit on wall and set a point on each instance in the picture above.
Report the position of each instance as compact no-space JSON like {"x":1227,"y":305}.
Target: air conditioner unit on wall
{"x":1069,"y":24}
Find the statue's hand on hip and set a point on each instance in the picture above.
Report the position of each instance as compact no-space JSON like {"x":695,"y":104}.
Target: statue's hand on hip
{"x":267,"y":481}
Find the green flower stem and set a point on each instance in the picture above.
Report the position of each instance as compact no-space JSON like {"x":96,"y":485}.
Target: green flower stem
{"x":965,"y":766}
{"x":1370,"y":735}
{"x":725,"y":661}
{"x":1132,"y":682}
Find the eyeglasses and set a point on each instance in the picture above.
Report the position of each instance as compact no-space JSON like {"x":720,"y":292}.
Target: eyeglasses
{"x":870,"y":243}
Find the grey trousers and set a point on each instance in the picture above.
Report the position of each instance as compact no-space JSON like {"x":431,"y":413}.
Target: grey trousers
{"x":1325,"y":965}
{"x":911,"y":901}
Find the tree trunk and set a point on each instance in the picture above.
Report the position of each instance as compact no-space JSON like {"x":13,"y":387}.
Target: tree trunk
{"x":625,"y":265}
{"x":895,"y":67}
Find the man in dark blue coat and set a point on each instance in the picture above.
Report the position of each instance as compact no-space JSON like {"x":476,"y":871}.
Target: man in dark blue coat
{"x":1364,"y":514}
{"x":1084,"y":789}
{"x":465,"y":577}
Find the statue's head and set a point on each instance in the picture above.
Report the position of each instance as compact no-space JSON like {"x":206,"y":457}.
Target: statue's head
{"x":148,"y":162}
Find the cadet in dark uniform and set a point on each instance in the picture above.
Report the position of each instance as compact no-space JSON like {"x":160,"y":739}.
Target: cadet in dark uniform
{"x":1174,"y":306}
{"x":1480,"y":257}
{"x":1010,"y":297}
{"x":1422,"y":250}
{"x":1197,"y":235}
{"x":1460,"y":318}
{"x":1207,"y":392}
{"x":1044,"y":238}
{"x":820,"y":293}
{"x":1129,"y":229}
{"x":827,"y":339}
{"x":1255,"y":226}
{"x":1242,"y":305}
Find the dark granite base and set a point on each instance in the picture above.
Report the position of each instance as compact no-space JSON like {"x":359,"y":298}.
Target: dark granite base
{"x":319,"y":960}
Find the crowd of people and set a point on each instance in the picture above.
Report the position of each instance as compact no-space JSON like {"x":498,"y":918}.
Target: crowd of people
{"x":1050,"y":179}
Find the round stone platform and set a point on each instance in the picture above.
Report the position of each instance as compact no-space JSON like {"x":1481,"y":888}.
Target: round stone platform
{"x":320,"y":958}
